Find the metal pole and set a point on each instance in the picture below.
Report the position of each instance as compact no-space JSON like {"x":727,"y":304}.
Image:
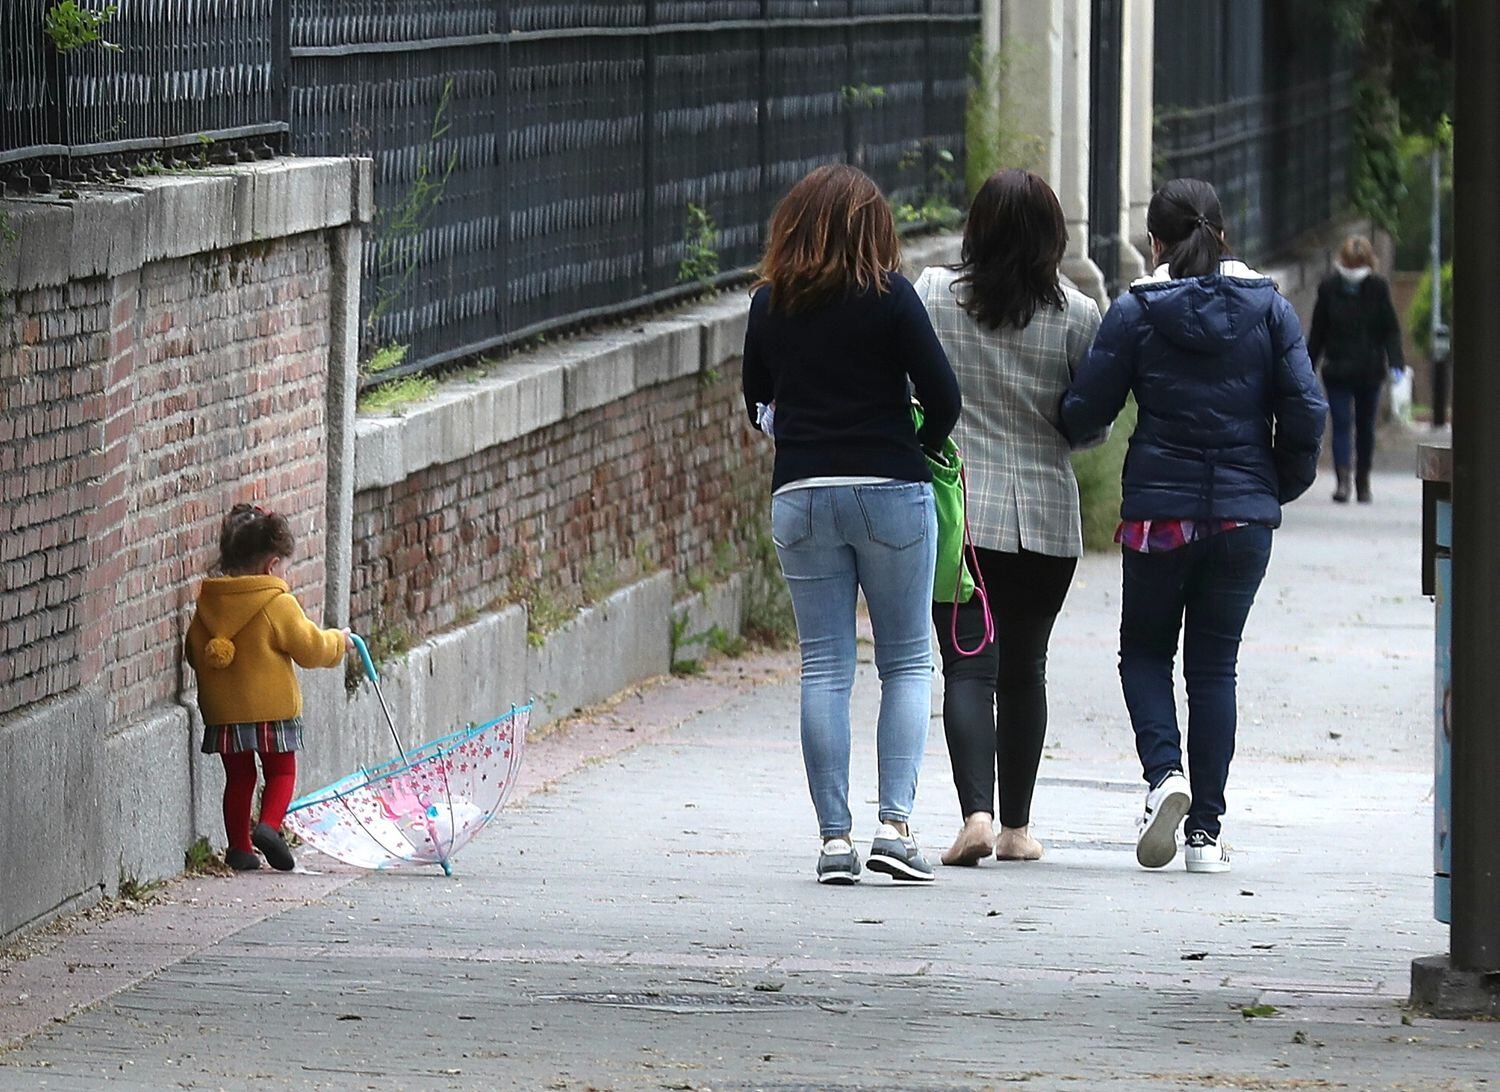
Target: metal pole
{"x":1475,"y":938}
{"x":1439,"y":351}
{"x":1435,"y":243}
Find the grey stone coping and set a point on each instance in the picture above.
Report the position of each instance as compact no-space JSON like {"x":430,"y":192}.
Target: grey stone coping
{"x":536,"y":389}
{"x":105,"y":230}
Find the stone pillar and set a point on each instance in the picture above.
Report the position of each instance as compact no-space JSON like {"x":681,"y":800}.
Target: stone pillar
{"x":1046,"y":88}
{"x":1032,"y":34}
{"x":991,"y":34}
{"x":343,"y":378}
{"x":1137,"y":113}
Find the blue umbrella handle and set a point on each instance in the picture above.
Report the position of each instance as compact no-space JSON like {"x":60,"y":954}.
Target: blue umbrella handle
{"x":374,"y":677}
{"x":364,"y":658}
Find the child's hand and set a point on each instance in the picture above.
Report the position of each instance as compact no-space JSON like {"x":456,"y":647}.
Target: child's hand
{"x":348,"y":643}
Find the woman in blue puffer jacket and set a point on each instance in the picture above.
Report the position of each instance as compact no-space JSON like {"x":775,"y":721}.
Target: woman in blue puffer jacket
{"x":1231,"y":419}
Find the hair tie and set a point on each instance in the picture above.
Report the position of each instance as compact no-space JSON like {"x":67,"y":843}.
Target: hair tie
{"x":1203,"y":222}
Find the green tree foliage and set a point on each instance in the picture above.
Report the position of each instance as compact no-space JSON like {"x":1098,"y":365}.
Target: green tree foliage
{"x":1379,"y":185}
{"x":1405,"y":85}
{"x":1408,"y":45}
{"x":993,"y":138}
{"x":1419,"y":313}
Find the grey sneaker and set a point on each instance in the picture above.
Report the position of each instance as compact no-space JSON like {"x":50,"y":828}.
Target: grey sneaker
{"x":838,"y":862}
{"x":898,"y":857}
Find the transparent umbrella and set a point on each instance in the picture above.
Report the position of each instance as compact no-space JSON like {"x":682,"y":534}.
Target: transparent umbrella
{"x":422,"y":807}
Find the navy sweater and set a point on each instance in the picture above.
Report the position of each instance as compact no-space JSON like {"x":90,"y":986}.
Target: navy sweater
{"x":838,"y":376}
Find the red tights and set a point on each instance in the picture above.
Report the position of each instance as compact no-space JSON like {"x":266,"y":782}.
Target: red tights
{"x":239,"y":792}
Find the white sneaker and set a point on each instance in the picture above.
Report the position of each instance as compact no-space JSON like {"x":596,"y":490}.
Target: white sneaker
{"x":1156,"y":844}
{"x":1205,"y":853}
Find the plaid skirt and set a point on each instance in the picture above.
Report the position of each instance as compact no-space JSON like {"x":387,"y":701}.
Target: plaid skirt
{"x":267,"y":736}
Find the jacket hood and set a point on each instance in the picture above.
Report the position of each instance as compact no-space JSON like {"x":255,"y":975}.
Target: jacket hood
{"x":227,"y":603}
{"x":1206,"y":314}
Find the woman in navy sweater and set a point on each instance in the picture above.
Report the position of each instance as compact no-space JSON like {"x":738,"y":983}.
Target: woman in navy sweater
{"x":836,"y":342}
{"x":1231,"y":419}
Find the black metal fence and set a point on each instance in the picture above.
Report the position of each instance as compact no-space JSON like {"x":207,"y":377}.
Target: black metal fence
{"x":543,"y":162}
{"x":1256,"y":97}
{"x":538,"y":162}
{"x":156,"y":79}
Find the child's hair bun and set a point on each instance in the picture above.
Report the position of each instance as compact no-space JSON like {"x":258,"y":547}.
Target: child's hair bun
{"x":219,"y":652}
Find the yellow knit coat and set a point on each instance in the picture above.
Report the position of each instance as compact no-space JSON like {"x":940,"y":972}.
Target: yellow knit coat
{"x":245,"y":634}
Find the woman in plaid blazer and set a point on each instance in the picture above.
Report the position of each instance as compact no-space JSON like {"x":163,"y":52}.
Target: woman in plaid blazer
{"x":1015,"y":333}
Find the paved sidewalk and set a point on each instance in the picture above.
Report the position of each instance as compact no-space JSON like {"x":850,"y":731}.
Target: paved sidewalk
{"x":650,"y":921}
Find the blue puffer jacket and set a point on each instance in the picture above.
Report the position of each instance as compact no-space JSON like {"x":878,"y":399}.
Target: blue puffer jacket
{"x":1231,"y":417}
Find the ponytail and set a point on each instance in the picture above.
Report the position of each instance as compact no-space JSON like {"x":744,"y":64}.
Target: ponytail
{"x":1186,"y":220}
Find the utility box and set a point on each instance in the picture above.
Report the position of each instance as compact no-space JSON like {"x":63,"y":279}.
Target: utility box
{"x":1435,"y":468}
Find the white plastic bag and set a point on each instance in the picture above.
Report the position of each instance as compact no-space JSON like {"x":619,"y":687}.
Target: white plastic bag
{"x":1401,"y":395}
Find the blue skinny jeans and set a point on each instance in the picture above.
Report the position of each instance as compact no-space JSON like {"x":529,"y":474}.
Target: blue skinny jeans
{"x":833,"y":542}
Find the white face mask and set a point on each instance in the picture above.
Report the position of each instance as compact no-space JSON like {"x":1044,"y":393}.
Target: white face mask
{"x":1352,"y":274}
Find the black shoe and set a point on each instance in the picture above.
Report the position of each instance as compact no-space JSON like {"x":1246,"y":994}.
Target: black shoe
{"x":270,"y":842}
{"x":1342,"y":491}
{"x":241,"y":860}
{"x":1362,"y":488}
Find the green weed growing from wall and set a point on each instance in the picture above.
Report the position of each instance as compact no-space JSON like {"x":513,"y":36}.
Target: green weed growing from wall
{"x":700,"y":265}
{"x":71,"y":26}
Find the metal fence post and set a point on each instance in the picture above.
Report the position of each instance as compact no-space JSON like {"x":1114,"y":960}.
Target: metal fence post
{"x":648,"y":150}
{"x":502,"y":192}
{"x":846,"y":106}
{"x":59,"y":127}
{"x":763,"y":111}
{"x":281,"y":71}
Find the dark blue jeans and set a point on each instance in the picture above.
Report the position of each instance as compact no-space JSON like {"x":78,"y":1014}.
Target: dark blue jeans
{"x":1204,"y":591}
{"x":1353,"y":410}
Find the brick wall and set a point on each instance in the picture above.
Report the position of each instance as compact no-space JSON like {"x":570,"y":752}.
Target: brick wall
{"x":54,"y":346}
{"x":136,"y":410}
{"x":662,"y":478}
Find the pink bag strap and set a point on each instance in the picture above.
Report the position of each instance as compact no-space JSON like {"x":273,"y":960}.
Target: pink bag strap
{"x":979,"y":588}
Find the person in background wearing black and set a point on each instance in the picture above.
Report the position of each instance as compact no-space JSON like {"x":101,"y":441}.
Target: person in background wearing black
{"x":1356,"y":335}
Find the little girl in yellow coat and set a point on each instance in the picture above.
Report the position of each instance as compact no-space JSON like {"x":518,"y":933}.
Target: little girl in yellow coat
{"x":246,"y":632}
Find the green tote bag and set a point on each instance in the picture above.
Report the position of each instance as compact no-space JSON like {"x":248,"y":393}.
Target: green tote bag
{"x":952,"y":582}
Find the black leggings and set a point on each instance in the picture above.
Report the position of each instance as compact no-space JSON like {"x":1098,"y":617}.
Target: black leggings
{"x":1009,"y":677}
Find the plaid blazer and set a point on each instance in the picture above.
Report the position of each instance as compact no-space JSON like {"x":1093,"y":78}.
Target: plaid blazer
{"x":1022,"y":492}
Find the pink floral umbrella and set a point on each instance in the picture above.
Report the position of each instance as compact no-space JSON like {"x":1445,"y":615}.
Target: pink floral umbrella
{"x":420,"y":808}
